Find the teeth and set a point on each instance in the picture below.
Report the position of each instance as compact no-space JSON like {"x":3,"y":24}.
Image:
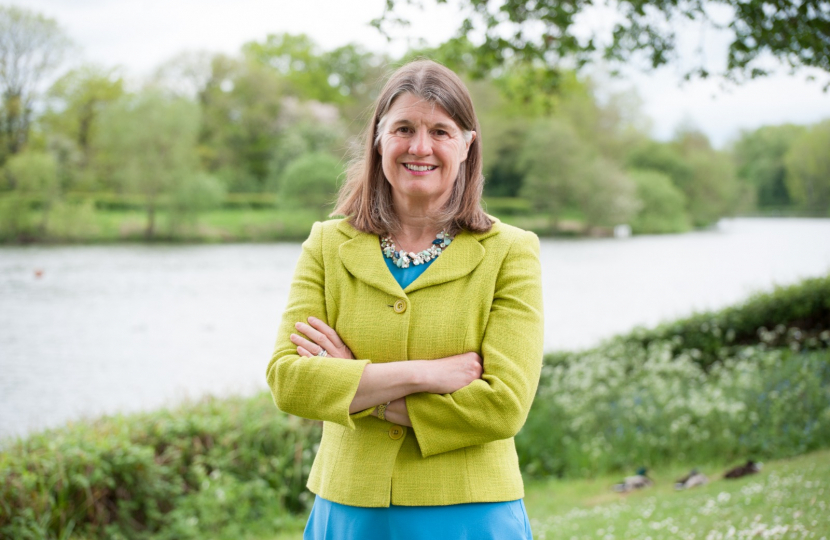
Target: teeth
{"x":419,"y":168}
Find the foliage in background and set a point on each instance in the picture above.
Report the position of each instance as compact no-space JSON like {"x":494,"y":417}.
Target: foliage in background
{"x":31,"y":47}
{"x":808,"y":169}
{"x":548,"y":33}
{"x":664,"y":205}
{"x":311,"y":182}
{"x":34,"y":172}
{"x":147,"y":143}
{"x":557,"y":142}
{"x":759,"y":158}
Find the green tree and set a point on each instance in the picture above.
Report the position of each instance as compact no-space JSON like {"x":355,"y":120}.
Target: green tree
{"x":344,"y":75}
{"x":308,"y":133}
{"x":759,"y":158}
{"x":35,"y":174}
{"x":543,"y":32}
{"x":554,"y":161}
{"x":241,"y":105}
{"x":705,"y":176}
{"x":31,"y":47}
{"x":713,"y":190}
{"x":76,"y":101}
{"x":663,"y":204}
{"x":196,"y":194}
{"x":310,"y":182}
{"x":148,"y":144}
{"x":605,"y":194}
{"x":808,"y":169}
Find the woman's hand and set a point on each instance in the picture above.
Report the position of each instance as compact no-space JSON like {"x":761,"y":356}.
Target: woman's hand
{"x":446,"y":375}
{"x":396,"y":412}
{"x":320,"y":336}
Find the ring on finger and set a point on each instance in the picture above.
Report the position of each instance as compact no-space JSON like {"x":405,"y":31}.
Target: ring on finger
{"x":323,"y":353}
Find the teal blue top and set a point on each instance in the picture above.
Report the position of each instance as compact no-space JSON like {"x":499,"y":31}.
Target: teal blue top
{"x":405,"y":276}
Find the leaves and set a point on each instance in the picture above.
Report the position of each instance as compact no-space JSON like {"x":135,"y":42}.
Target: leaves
{"x":551,"y":33}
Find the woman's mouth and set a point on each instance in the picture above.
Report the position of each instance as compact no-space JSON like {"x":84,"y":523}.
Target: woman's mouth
{"x":420,"y":168}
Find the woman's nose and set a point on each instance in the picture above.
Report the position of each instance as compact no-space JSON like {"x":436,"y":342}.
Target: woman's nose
{"x":421,"y":144}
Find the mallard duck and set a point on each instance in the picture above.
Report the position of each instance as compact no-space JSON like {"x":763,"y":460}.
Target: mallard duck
{"x":740,"y":471}
{"x":693,"y":479}
{"x":630,"y":483}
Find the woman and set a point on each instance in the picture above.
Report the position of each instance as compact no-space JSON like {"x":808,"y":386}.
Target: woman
{"x":414,"y":331}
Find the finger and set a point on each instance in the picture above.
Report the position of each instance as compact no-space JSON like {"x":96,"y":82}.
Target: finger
{"x":300,"y":341}
{"x":304,"y":352}
{"x":329,"y":332}
{"x":314,"y":335}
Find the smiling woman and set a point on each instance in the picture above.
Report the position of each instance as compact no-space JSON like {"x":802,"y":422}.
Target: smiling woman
{"x":422,"y":149}
{"x":402,"y":332}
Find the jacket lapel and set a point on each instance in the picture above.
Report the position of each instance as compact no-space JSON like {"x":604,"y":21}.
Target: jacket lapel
{"x":459,"y":259}
{"x":363,"y":259}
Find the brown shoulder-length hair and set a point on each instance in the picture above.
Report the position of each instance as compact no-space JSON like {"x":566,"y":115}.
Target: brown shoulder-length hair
{"x":366,"y":197}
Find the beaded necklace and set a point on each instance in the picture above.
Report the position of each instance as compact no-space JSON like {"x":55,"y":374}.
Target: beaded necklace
{"x":402,"y":259}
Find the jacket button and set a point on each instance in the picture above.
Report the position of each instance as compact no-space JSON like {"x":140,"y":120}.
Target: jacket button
{"x":396,"y":433}
{"x":400,"y":306}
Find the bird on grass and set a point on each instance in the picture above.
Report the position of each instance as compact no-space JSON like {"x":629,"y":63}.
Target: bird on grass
{"x":750,"y":467}
{"x":630,"y":483}
{"x":693,"y":479}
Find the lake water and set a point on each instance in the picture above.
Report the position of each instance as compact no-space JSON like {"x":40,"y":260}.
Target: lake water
{"x":122,"y":328}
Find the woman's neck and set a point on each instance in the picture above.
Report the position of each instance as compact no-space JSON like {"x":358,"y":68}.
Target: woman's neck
{"x":418,"y":227}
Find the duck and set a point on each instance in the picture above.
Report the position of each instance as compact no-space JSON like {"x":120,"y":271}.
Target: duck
{"x":750,"y":467}
{"x":693,"y":479}
{"x":630,"y":483}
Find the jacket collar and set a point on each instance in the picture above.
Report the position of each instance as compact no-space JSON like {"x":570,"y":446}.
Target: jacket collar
{"x":362,"y":257}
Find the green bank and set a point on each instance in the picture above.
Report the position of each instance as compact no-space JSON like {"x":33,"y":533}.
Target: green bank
{"x":712,"y":390}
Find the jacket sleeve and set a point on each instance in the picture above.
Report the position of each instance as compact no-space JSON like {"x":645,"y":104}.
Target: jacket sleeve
{"x":315,"y":388}
{"x":496,"y":406}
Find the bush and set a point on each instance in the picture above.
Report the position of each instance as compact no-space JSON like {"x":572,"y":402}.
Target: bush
{"x":15,"y":223}
{"x":625,"y":405}
{"x":72,"y":221}
{"x":797,"y":316}
{"x":176,"y":474}
{"x":310,"y":181}
{"x":664,"y":206}
{"x":749,"y":380}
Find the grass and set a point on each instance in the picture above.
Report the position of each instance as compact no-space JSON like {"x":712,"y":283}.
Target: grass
{"x":80,"y":224}
{"x":787,"y":499}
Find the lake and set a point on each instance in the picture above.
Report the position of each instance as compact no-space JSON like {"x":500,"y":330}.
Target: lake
{"x":87,"y":330}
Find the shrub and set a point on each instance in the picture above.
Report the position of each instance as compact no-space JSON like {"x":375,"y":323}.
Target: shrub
{"x":625,"y":405}
{"x":664,"y":205}
{"x":184,"y":472}
{"x":796,"y":316}
{"x":310,"y":181}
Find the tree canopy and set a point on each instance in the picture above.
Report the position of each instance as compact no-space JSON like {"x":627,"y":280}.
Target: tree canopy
{"x":796,"y":32}
{"x":31,"y":46}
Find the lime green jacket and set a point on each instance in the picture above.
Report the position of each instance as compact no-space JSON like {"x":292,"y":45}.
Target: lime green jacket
{"x":482,"y":294}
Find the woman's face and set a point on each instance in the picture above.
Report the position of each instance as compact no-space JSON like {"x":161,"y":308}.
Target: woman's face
{"x":421,"y":148}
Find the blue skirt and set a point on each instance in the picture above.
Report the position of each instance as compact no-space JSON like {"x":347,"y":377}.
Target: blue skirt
{"x":474,"y":521}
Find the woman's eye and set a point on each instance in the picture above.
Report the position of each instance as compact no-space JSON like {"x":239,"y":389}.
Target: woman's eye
{"x":440,"y":134}
{"x":403,"y":129}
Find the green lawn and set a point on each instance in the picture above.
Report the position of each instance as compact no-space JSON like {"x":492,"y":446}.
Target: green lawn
{"x":787,"y":499}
